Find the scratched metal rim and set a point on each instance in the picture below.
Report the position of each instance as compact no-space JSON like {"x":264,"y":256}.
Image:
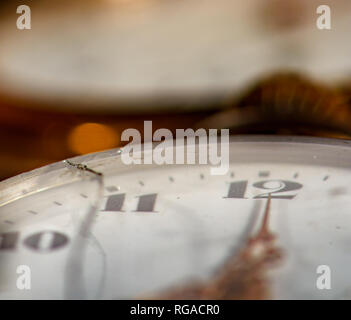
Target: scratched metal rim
{"x":246,"y":148}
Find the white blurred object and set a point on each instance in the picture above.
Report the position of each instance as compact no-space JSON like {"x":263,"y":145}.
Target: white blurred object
{"x":89,"y":54}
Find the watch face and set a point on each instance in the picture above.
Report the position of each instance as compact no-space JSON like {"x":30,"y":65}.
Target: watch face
{"x":93,"y":227}
{"x":159,"y":55}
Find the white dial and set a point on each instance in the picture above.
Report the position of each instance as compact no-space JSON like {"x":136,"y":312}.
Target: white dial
{"x":161,"y":230}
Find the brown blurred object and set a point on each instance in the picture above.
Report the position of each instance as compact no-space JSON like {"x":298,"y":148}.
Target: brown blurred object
{"x":345,"y":89}
{"x":287,"y":103}
{"x":32,"y":138}
{"x":284,"y":14}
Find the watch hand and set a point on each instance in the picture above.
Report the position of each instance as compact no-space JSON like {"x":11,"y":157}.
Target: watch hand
{"x":243,"y":275}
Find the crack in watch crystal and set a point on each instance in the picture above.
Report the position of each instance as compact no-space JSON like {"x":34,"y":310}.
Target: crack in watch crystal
{"x":74,"y":283}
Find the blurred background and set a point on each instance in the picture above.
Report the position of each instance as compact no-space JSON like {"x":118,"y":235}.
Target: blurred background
{"x":88,"y":69}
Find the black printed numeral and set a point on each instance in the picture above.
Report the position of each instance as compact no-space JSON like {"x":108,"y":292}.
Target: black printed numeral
{"x":146,"y":203}
{"x":8,"y":241}
{"x":238,"y":189}
{"x":44,"y":241}
{"x":284,"y":186}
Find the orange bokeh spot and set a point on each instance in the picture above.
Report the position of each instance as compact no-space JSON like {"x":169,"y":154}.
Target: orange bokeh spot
{"x":92,"y":137}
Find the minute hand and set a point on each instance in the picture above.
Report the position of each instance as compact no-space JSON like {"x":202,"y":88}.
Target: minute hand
{"x":243,"y":276}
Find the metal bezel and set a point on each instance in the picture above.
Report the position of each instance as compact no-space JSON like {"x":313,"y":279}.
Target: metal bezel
{"x":248,"y":149}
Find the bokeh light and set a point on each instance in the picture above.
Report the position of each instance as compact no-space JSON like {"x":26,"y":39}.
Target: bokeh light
{"x":92,"y":137}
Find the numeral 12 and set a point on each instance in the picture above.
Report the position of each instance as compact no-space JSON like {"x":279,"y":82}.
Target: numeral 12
{"x":238,"y":189}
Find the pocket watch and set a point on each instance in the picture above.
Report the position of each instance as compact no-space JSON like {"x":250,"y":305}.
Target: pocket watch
{"x":275,"y":226}
{"x":92,"y":227}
